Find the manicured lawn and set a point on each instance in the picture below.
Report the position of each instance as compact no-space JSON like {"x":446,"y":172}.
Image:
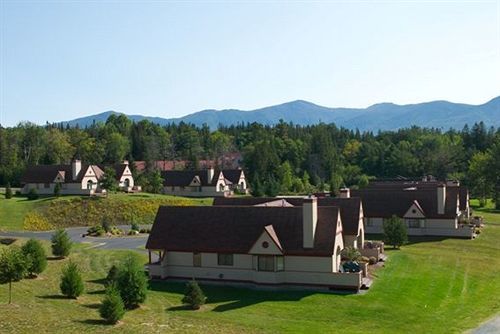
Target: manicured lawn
{"x":13,"y":211}
{"x":440,"y":286}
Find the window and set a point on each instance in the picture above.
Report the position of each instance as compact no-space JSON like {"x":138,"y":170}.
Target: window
{"x":265,"y":263}
{"x":196,"y":259}
{"x":225,"y":259}
{"x":413,"y":223}
{"x":46,"y":185}
{"x":221,"y":187}
{"x":370,"y":221}
{"x":280,"y":263}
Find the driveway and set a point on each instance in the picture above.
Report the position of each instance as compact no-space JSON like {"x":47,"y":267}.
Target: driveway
{"x":127,"y":242}
{"x":490,"y":327}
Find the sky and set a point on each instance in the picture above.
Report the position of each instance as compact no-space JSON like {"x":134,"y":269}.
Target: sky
{"x":60,"y":60}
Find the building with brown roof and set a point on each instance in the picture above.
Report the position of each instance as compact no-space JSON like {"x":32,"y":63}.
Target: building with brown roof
{"x":74,"y":179}
{"x":204,"y":183}
{"x":427,"y":207}
{"x":258,"y":245}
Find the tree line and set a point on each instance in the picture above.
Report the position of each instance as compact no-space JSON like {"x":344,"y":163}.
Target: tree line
{"x":284,"y":158}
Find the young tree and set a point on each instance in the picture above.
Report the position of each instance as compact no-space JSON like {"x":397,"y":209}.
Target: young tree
{"x":112,"y":276}
{"x":8,"y":191}
{"x":33,"y":194}
{"x":12,"y":267}
{"x":194,"y":296}
{"x":71,"y":281}
{"x":132,"y":283}
{"x":112,"y":308}
{"x":395,"y":232}
{"x":57,"y":189}
{"x":61,"y":243}
{"x":109,"y":182}
{"x":35,"y":256}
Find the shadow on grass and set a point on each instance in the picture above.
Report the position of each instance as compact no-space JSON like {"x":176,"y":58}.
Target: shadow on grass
{"x":94,"y":322}
{"x":53,"y":297}
{"x":96,"y":292}
{"x":54,"y":258}
{"x":97,"y":281}
{"x":231,"y":298}
{"x":93,"y":306}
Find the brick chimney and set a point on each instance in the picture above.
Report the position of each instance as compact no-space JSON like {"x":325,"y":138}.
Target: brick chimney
{"x":309,"y":220}
{"x":76,"y":167}
{"x":441,"y":198}
{"x":345,"y":193}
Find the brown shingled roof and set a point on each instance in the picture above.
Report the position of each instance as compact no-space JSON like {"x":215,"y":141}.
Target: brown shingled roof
{"x":47,"y":173}
{"x":235,"y":229}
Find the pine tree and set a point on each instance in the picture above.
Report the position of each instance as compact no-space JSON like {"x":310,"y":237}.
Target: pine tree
{"x":194,"y":296}
{"x":112,"y":276}
{"x":71,"y":281}
{"x":8,"y":191}
{"x":112,"y":308}
{"x":35,"y":256}
{"x":57,"y":189}
{"x":395,"y":232}
{"x":132,"y":283}
{"x":61,"y":243}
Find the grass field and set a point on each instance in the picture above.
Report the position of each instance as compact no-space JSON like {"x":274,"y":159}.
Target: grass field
{"x":13,"y":211}
{"x":440,"y":286}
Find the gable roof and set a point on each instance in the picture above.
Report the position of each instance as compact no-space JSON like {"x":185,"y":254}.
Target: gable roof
{"x":47,"y":173}
{"x":232,"y":175}
{"x":119,"y":169}
{"x":183,"y":178}
{"x":349,"y":207}
{"x":395,"y":200}
{"x":218,"y":229}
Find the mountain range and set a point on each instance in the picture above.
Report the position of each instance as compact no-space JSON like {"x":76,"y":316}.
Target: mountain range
{"x":382,"y":116}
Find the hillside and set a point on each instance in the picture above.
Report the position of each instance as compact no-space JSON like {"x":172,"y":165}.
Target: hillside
{"x":383,"y":116}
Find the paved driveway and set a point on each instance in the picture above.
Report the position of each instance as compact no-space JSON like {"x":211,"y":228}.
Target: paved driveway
{"x":127,"y":242}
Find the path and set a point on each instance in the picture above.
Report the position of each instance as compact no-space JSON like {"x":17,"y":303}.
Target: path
{"x":490,"y":327}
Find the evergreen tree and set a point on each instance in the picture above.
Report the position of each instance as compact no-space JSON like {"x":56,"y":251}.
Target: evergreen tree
{"x":57,"y":189}
{"x":33,"y":194}
{"x":132,"y":283}
{"x":395,"y":232}
{"x":112,"y":308}
{"x":71,"y":281}
{"x":194,"y":296}
{"x":8,"y":191}
{"x":257,"y":190}
{"x":35,"y":256}
{"x":109,"y":181}
{"x":112,"y":276}
{"x":12,"y":267}
{"x":61,"y":243}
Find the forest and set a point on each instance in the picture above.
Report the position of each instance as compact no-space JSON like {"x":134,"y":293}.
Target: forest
{"x":284,"y":158}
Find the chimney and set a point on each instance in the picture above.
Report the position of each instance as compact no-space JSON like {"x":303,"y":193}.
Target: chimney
{"x":76,"y":167}
{"x":125,"y":162}
{"x":345,"y":193}
{"x":309,"y":220}
{"x":210,"y":174}
{"x":441,"y":198}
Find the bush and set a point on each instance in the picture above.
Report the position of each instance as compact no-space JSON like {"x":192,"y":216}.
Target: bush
{"x":8,"y":192}
{"x":71,"y":281}
{"x":145,"y":230}
{"x":132,"y":282}
{"x":112,"y":308}
{"x":395,"y":232}
{"x":112,"y":277}
{"x":350,"y":254}
{"x":33,"y":194}
{"x":36,"y":222}
{"x":35,"y":256}
{"x":106,"y":225}
{"x":194,"y":296}
{"x":57,"y":190}
{"x":95,"y":231}
{"x":372,"y":260}
{"x":61,"y":243}
{"x":364,"y":259}
{"x":133,"y":232}
{"x":135,"y":227}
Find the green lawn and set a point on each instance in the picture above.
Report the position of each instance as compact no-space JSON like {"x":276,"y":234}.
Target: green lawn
{"x":440,"y":286}
{"x":13,"y":211}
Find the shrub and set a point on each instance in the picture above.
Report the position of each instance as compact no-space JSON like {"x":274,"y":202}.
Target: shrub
{"x":364,"y":259}
{"x":194,"y":296}
{"x":61,"y":243}
{"x":95,"y":231}
{"x":12,"y":267}
{"x":133,"y":232}
{"x":350,"y":254}
{"x":35,"y":257}
{"x":132,"y":282}
{"x":71,"y":281}
{"x":135,"y":227}
{"x":8,"y":192}
{"x":57,"y":190}
{"x":33,"y":194}
{"x":372,"y":260}
{"x":33,"y":221}
{"x":112,"y":277}
{"x":112,"y":308}
{"x":106,"y":225}
{"x":395,"y":232}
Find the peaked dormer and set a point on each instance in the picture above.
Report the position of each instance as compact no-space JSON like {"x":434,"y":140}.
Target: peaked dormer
{"x":267,"y":243}
{"x":60,"y":177}
{"x":195,"y":182}
{"x":414,"y":211}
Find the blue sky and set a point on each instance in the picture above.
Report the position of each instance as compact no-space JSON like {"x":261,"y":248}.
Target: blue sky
{"x":62,"y":60}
